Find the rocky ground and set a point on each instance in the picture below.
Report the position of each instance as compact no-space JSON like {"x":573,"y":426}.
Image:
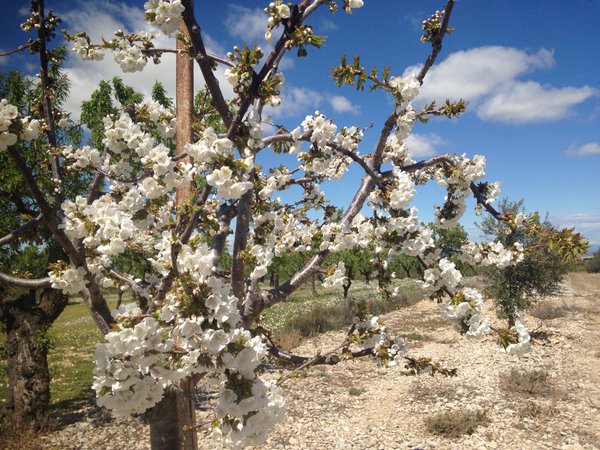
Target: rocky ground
{"x":550,"y":400}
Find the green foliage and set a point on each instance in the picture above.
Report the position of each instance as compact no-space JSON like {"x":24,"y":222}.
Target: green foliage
{"x":29,"y":256}
{"x":356,"y":392}
{"x":593,"y":264}
{"x":405,"y":266}
{"x":355,"y":75}
{"x":101,"y":104}
{"x":449,"y":240}
{"x":159,"y":94}
{"x":205,"y":113}
{"x":539,"y":274}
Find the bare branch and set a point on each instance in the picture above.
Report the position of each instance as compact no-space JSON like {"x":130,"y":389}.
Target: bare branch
{"x":205,"y":63}
{"x":23,"y":229}
{"x":16,"y":50}
{"x":26,"y":282}
{"x":375,"y":176}
{"x":46,"y":97}
{"x":125,"y":279}
{"x":436,"y":44}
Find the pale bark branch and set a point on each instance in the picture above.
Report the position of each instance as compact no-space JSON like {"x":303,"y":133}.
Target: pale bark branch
{"x":20,"y":48}
{"x":362,"y":163}
{"x":37,"y":283}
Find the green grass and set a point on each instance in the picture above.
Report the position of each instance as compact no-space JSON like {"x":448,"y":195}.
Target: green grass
{"x":73,"y":338}
{"x":74,"y":335}
{"x":307,"y":315}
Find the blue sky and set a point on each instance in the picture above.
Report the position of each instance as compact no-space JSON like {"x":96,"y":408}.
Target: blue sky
{"x":529,"y":70}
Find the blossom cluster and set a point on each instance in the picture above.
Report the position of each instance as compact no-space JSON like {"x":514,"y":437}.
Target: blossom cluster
{"x":523,"y":339}
{"x":494,"y":254}
{"x":164,"y":14}
{"x":465,"y":312}
{"x":337,"y":278}
{"x":13,"y":127}
{"x":443,"y":275}
{"x":70,"y":280}
{"x":369,"y":333}
{"x":149,"y":353}
{"x":85,"y":50}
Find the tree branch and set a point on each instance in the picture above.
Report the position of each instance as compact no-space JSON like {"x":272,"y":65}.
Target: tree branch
{"x":46,"y":100}
{"x":262,"y":300}
{"x":26,"y":282}
{"x":16,"y":50}
{"x":23,"y":229}
{"x":204,"y":62}
{"x":375,"y":176}
{"x":436,"y":44}
{"x":91,"y":294}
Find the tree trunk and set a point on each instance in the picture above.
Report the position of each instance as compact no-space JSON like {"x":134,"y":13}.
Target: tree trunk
{"x":172,"y":420}
{"x":119,"y":297}
{"x":367,"y":275}
{"x":313,"y":284}
{"x":26,"y":320}
{"x":350,"y":276}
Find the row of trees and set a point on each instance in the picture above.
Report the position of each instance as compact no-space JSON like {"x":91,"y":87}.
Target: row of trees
{"x":151,"y":203}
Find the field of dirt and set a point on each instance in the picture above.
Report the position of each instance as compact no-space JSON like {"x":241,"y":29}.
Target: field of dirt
{"x":549,"y":399}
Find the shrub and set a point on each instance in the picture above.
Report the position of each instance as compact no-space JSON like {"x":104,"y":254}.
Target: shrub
{"x":548,"y":311}
{"x":593,"y":265}
{"x":454,"y":424}
{"x":529,"y":382}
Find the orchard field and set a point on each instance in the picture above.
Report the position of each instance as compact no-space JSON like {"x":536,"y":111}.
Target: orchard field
{"x":546,"y":399}
{"x":291,"y":280}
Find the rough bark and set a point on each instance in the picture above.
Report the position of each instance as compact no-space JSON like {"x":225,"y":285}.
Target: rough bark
{"x":170,"y":419}
{"x":26,"y":319}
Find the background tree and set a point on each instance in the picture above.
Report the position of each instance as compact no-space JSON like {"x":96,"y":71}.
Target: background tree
{"x":450,"y":242}
{"x":592,"y":265}
{"x":540,"y":273}
{"x":28,"y":309}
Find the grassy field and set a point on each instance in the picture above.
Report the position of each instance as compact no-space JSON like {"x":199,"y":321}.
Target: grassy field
{"x":74,"y":336}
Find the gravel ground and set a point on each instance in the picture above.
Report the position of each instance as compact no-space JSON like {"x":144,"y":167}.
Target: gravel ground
{"x":357,"y":405}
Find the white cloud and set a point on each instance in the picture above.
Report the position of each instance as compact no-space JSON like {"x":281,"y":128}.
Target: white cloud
{"x":245,"y":23}
{"x":591,"y":148}
{"x":101,"y":19}
{"x":586,"y":224}
{"x":488,"y":78}
{"x":296,"y":101}
{"x":531,"y":102}
{"x":327,"y":25}
{"x":341,"y":104}
{"x":423,"y":145}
